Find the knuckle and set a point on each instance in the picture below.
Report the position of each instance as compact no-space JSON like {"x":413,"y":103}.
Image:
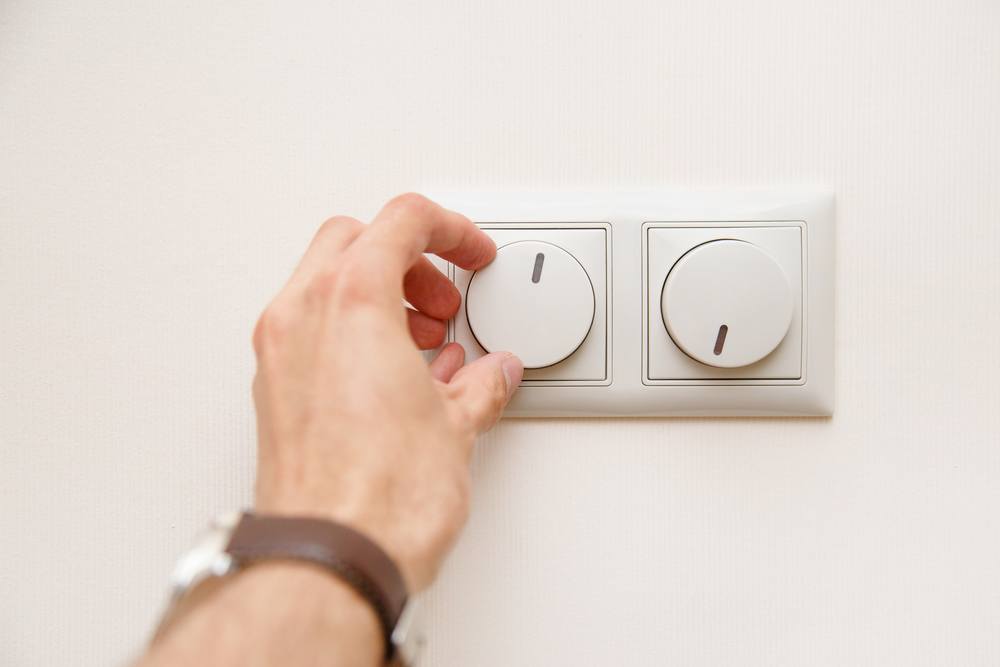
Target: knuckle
{"x":321,"y":285}
{"x":497,"y":391}
{"x":348,"y":283}
{"x":338,"y":224}
{"x":479,"y":409}
{"x":408,"y":203}
{"x":271,"y":329}
{"x":353,"y":283}
{"x":465,"y":418}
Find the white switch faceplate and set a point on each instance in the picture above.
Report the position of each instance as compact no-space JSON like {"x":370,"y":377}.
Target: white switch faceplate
{"x":775,"y":276}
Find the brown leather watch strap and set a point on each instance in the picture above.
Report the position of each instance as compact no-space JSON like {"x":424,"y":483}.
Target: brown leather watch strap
{"x":342,"y":550}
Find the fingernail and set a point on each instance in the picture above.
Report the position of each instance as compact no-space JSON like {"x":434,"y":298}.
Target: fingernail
{"x":513,"y":371}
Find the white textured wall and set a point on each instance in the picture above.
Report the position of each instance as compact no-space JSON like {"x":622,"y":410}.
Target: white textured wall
{"x":163,"y":164}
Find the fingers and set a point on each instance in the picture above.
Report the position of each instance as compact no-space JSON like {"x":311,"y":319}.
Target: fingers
{"x":382,"y":263}
{"x":447,"y":362}
{"x":331,"y":240}
{"x":410,"y":225}
{"x":484,"y":387}
{"x":429,"y":291}
{"x":426,"y":332}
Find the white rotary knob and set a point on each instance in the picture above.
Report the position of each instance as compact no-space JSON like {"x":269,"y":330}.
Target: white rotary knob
{"x":535,"y":300}
{"x":727,"y":303}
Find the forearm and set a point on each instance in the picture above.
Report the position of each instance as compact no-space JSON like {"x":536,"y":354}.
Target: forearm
{"x":273,"y":614}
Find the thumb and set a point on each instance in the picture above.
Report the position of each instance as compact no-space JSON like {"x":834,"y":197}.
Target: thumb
{"x":483,"y":388}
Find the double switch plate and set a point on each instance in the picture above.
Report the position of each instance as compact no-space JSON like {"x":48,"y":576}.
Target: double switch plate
{"x":669,"y":303}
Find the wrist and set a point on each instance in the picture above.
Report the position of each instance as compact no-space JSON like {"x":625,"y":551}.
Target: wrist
{"x":307,"y":604}
{"x":405,"y":542}
{"x":270,"y":613}
{"x":242,"y":548}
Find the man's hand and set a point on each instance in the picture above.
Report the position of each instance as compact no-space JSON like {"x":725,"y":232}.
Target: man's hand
{"x":353,"y":424}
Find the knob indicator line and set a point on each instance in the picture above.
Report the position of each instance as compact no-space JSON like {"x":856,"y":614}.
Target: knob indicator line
{"x":720,"y":340}
{"x":536,"y":274}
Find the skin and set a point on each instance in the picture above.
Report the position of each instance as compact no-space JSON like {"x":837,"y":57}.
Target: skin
{"x":354,"y":426}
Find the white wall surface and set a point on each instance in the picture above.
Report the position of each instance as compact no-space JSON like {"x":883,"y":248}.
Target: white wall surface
{"x":163,"y":164}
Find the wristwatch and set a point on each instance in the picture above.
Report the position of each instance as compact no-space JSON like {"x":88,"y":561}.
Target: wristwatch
{"x":236,"y":540}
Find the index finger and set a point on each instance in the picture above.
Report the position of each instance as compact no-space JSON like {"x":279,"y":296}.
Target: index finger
{"x":410,"y":225}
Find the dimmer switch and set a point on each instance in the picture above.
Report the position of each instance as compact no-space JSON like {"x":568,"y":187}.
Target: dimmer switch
{"x":669,"y":302}
{"x":727,"y":303}
{"x":535,"y":300}
{"x":544,"y":297}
